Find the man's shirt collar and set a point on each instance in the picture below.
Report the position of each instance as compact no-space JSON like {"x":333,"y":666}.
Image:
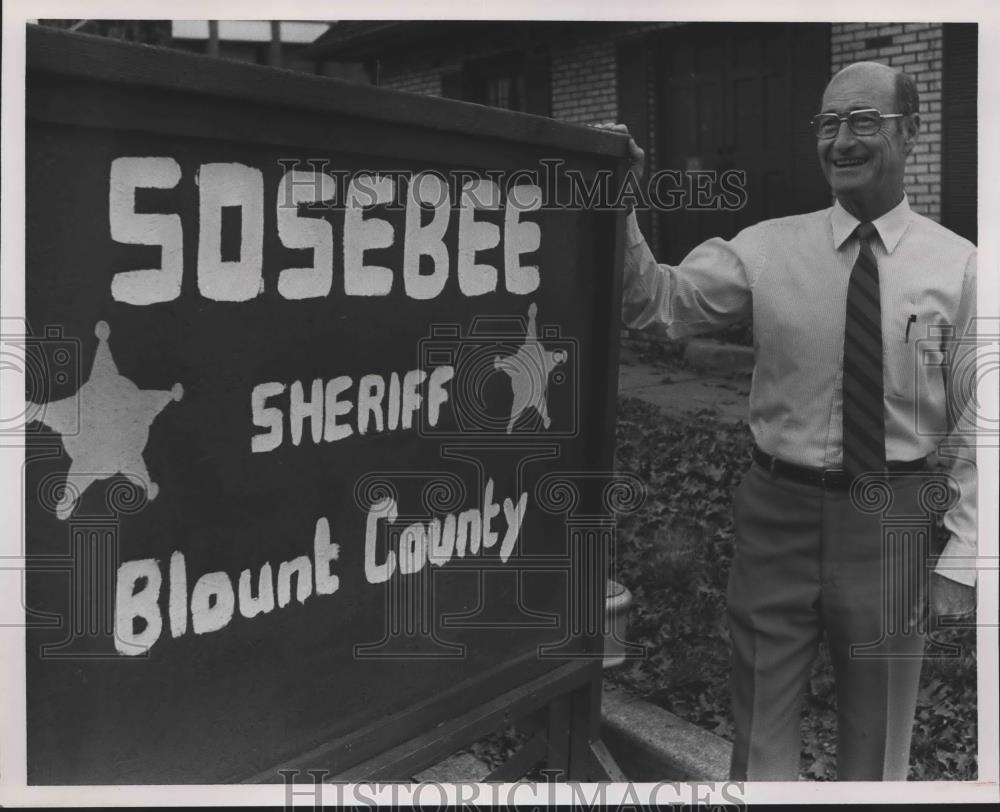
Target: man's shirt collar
{"x":890,"y":226}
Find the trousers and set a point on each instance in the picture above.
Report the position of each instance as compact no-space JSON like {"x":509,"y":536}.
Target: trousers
{"x":850,"y":565}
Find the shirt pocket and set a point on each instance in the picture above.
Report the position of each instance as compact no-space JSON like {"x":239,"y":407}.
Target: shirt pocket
{"x":914,"y":360}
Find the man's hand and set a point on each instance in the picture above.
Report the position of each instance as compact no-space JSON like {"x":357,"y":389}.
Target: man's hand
{"x":950,"y":598}
{"x":636,"y":153}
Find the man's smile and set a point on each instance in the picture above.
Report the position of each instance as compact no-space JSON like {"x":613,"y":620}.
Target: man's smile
{"x":847,"y":163}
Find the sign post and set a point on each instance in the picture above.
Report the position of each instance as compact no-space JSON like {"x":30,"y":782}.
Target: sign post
{"x":326,"y":383}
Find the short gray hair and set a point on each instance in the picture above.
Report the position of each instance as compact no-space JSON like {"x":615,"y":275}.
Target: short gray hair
{"x":907,"y":97}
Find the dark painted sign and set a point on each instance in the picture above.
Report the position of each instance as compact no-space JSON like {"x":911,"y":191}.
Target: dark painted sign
{"x":314,"y":360}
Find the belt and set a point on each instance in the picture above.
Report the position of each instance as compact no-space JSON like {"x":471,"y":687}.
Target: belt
{"x":828,"y":478}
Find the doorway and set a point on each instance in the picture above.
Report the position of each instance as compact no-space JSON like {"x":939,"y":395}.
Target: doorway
{"x":739,"y":96}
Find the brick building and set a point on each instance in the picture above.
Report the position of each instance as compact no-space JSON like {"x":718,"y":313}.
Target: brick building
{"x":698,"y":96}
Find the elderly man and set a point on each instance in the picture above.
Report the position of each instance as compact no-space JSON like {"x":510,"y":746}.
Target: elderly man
{"x":840,"y":403}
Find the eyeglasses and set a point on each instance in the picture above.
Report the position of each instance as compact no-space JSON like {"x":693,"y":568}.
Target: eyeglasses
{"x":860,"y":122}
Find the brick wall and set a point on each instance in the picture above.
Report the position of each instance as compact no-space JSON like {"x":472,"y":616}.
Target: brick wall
{"x":584,"y":84}
{"x":585,"y":76}
{"x":418,"y":76}
{"x":426,"y":82}
{"x":583,"y":72}
{"x":915,"y":48}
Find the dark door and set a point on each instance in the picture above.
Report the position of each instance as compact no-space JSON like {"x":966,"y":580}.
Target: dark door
{"x":958,"y":128}
{"x":738,"y":96}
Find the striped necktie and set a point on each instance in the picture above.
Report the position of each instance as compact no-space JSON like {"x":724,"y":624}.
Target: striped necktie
{"x":864,"y":411}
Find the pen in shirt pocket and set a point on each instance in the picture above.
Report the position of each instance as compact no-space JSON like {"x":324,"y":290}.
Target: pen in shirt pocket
{"x":909,"y":323}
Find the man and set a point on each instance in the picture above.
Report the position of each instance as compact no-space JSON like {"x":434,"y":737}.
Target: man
{"x":845,"y":415}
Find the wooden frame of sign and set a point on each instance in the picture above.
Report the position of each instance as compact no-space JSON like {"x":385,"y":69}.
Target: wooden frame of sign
{"x":320,"y":436}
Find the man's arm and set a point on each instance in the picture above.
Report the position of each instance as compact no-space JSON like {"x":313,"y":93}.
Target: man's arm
{"x":710,"y":289}
{"x":955,"y":576}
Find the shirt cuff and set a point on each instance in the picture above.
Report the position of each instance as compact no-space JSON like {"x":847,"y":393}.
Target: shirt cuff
{"x":958,"y":562}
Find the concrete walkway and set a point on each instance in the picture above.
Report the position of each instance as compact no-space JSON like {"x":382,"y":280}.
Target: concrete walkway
{"x":683,"y":392}
{"x":648,"y":743}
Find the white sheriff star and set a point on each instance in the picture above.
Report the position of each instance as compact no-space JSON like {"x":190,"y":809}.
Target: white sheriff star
{"x":115,"y":416}
{"x":529,"y":371}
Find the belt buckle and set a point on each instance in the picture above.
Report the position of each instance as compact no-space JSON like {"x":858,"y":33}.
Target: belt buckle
{"x":828,"y":477}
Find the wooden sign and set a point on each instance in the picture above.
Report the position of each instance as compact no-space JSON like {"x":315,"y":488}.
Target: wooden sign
{"x":320,"y":365}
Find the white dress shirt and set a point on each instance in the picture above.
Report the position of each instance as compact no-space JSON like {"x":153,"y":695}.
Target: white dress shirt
{"x":790,"y":275}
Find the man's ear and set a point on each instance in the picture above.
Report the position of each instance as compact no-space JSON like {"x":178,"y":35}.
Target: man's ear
{"x":911,"y":131}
